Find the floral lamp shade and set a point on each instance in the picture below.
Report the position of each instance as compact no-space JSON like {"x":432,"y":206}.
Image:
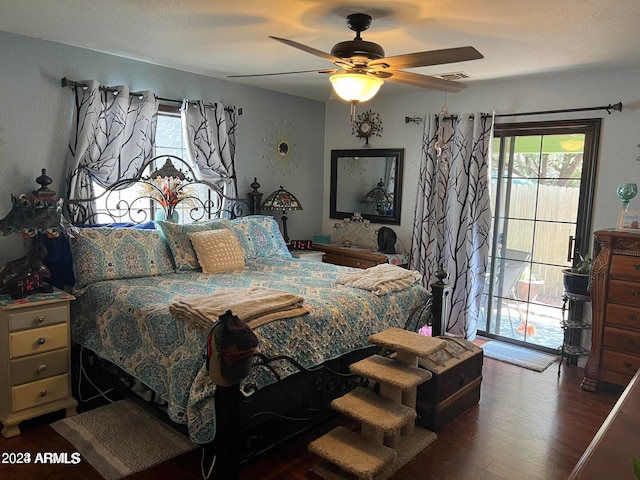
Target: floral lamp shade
{"x":379,"y":199}
{"x":282,"y":200}
{"x":31,"y":215}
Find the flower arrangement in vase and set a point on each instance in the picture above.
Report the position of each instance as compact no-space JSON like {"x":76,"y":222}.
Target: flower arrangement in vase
{"x":168,"y":192}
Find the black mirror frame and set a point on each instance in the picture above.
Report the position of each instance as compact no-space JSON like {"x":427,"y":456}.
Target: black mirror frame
{"x":397,"y":153}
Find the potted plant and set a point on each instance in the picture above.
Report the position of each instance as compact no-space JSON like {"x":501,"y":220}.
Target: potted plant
{"x":576,"y":278}
{"x":528,"y":286}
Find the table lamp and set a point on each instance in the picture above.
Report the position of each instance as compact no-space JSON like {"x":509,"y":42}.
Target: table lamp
{"x":283,"y":200}
{"x":33,"y":216}
{"x":381,"y":201}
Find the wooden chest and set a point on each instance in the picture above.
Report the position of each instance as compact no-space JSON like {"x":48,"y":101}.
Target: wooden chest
{"x":454,"y":386}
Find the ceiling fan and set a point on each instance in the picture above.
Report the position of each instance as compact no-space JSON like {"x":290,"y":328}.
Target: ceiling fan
{"x":363,"y":67}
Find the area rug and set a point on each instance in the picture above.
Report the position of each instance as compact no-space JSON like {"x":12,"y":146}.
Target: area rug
{"x":122,"y":438}
{"x":520,"y":356}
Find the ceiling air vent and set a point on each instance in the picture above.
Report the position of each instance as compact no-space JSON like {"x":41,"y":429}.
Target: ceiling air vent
{"x":454,"y":76}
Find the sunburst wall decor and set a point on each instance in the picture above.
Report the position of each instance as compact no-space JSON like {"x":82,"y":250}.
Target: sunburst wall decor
{"x":282,"y":151}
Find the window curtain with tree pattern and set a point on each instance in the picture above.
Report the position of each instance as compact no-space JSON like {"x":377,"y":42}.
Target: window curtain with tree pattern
{"x":210,"y":134}
{"x":453,"y":213}
{"x":112,"y":135}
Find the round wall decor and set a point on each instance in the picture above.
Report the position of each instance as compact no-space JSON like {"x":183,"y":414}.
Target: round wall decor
{"x":282,"y":151}
{"x":366,"y":125}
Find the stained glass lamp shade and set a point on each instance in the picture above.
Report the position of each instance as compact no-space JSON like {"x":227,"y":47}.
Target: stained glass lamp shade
{"x":282,"y":200}
{"x":32,"y":216}
{"x":379,"y":198}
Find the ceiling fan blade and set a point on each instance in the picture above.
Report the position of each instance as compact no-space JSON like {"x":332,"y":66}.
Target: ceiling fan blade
{"x":425,"y":81}
{"x":311,"y":50}
{"x":332,"y":70}
{"x":433,"y":57}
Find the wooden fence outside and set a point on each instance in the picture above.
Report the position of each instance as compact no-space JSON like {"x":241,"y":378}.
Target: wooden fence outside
{"x":555,"y":212}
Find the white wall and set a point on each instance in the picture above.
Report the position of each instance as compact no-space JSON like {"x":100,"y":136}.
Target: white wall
{"x":620,"y":134}
{"x":35,"y":117}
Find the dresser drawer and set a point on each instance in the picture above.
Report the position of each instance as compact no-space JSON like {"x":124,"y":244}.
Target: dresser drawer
{"x":38,"y":367}
{"x":357,"y":262}
{"x":622,"y":340}
{"x":624,"y":292}
{"x":621,"y":363}
{"x":36,"y":317}
{"x":40,"y":392}
{"x":38,"y":340}
{"x":623,"y":316}
{"x":625,"y":267}
{"x":333,"y":258}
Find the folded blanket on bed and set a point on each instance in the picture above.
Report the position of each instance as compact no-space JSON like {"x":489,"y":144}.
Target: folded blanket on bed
{"x":381,"y":279}
{"x":256,"y":306}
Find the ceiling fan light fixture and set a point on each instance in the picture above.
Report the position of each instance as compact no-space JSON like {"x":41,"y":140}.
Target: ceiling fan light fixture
{"x":355,"y":87}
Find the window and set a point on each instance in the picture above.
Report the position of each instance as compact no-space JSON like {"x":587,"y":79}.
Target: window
{"x":169,"y":141}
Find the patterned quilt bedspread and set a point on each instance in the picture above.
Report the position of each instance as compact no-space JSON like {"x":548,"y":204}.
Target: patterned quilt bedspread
{"x":128,"y":323}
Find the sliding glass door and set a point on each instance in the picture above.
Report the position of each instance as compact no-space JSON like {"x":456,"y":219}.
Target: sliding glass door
{"x":542,"y":183}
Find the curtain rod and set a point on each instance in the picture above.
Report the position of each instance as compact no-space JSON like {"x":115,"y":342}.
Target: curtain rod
{"x":615,"y":107}
{"x":65,"y":82}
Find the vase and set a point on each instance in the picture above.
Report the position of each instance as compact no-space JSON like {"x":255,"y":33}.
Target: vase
{"x":626,"y":191}
{"x":161,"y":216}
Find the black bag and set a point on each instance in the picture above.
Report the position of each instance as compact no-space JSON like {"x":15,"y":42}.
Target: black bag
{"x":230,"y":347}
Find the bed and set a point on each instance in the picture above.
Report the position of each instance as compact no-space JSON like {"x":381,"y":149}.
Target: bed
{"x":126,"y":279}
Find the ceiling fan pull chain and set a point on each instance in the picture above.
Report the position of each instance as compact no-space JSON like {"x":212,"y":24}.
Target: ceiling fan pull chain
{"x":353,"y":110}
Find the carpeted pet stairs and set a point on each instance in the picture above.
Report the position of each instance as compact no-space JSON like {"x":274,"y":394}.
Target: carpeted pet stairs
{"x":388,"y":438}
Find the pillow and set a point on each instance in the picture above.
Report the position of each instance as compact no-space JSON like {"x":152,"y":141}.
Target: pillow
{"x":111,"y":254}
{"x":218,"y":250}
{"x":184,"y":256}
{"x":260,"y":237}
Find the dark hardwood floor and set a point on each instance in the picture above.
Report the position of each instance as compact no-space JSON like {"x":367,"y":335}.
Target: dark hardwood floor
{"x":528,"y":425}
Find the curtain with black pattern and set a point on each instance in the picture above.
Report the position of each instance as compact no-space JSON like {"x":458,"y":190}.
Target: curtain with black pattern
{"x":112,"y":135}
{"x":210,"y":134}
{"x":452,"y":221}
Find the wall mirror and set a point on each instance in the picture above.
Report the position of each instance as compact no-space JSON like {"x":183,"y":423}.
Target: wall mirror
{"x":367,"y":181}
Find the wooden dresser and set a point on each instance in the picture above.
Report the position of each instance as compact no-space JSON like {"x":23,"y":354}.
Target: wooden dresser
{"x":615,"y":301}
{"x":357,"y":257}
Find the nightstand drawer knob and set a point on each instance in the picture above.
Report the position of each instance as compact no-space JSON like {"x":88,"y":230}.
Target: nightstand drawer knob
{"x":633,"y":318}
{"x":41,"y":340}
{"x":43,"y":393}
{"x":40,"y":319}
{"x":42,"y":368}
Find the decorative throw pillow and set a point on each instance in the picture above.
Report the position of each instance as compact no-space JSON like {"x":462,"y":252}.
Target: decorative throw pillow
{"x":218,"y":250}
{"x":260,"y":237}
{"x":115,"y":253}
{"x":184,"y":256}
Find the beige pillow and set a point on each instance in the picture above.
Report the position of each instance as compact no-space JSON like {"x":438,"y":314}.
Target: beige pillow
{"x":218,"y":250}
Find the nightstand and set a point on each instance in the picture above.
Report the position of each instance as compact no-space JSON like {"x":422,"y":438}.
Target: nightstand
{"x":35,"y":360}
{"x":359,"y":257}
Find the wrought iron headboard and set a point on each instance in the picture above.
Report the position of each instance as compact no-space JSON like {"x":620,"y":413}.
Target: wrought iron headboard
{"x":171,"y":189}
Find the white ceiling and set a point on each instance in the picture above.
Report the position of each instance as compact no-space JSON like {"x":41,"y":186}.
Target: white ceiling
{"x":225,"y":37}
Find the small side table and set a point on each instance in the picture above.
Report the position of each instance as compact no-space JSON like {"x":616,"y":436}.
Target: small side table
{"x":572,"y":327}
{"x":35,"y":360}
